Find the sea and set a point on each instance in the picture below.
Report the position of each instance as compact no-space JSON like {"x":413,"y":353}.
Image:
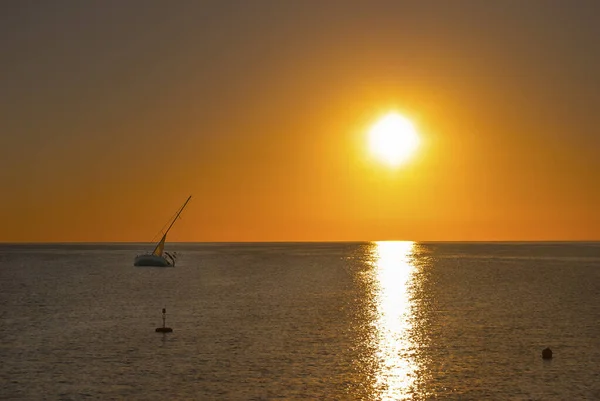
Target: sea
{"x":301,"y":321}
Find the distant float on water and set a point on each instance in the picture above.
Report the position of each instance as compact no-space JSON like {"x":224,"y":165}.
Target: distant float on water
{"x":158,"y":257}
{"x":164,"y":328}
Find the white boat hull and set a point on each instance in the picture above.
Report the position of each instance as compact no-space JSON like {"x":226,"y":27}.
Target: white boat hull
{"x":151,"y":260}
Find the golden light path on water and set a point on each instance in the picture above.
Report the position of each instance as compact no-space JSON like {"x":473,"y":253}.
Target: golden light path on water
{"x":391,"y":276}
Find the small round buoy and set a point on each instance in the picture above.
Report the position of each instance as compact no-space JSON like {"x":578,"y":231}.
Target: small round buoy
{"x":547,"y":353}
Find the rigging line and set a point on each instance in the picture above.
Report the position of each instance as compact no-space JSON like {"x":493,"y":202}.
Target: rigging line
{"x":172,"y":220}
{"x":161,"y":232}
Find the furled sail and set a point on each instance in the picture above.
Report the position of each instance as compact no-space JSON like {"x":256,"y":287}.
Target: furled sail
{"x":158,"y":251}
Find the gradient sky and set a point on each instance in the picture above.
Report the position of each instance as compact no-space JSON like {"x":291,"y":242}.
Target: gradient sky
{"x":112,"y":112}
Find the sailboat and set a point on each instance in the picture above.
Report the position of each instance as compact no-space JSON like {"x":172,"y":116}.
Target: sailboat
{"x":158,"y":257}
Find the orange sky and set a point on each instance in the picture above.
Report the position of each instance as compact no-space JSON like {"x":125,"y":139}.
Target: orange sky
{"x":116,"y":112}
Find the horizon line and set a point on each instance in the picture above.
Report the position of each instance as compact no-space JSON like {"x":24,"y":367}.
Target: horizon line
{"x":298,"y":241}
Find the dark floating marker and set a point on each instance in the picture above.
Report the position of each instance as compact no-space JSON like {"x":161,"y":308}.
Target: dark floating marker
{"x":164,"y":329}
{"x":547,"y":353}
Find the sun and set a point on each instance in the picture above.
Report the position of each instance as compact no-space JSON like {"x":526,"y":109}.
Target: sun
{"x":393,"y":139}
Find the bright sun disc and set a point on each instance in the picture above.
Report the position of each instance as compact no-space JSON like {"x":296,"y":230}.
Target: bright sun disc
{"x":393,"y":139}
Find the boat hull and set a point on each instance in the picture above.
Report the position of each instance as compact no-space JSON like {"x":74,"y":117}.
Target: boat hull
{"x":151,"y":260}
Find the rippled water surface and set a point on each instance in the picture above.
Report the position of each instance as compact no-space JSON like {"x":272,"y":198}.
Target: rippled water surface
{"x":346,"y":321}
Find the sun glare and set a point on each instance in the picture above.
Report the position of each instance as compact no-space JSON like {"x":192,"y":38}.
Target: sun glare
{"x":393,"y":139}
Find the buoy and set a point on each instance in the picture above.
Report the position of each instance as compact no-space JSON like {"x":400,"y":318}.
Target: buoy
{"x":547,"y":353}
{"x":164,"y":329}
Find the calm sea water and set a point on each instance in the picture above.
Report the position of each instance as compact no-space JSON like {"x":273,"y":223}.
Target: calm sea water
{"x":346,"y":321}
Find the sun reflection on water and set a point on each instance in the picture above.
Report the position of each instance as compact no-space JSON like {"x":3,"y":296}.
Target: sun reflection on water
{"x":390,"y":278}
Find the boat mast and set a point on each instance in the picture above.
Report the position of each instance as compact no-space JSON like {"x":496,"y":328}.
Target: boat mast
{"x":173,"y":222}
{"x":178,"y":213}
